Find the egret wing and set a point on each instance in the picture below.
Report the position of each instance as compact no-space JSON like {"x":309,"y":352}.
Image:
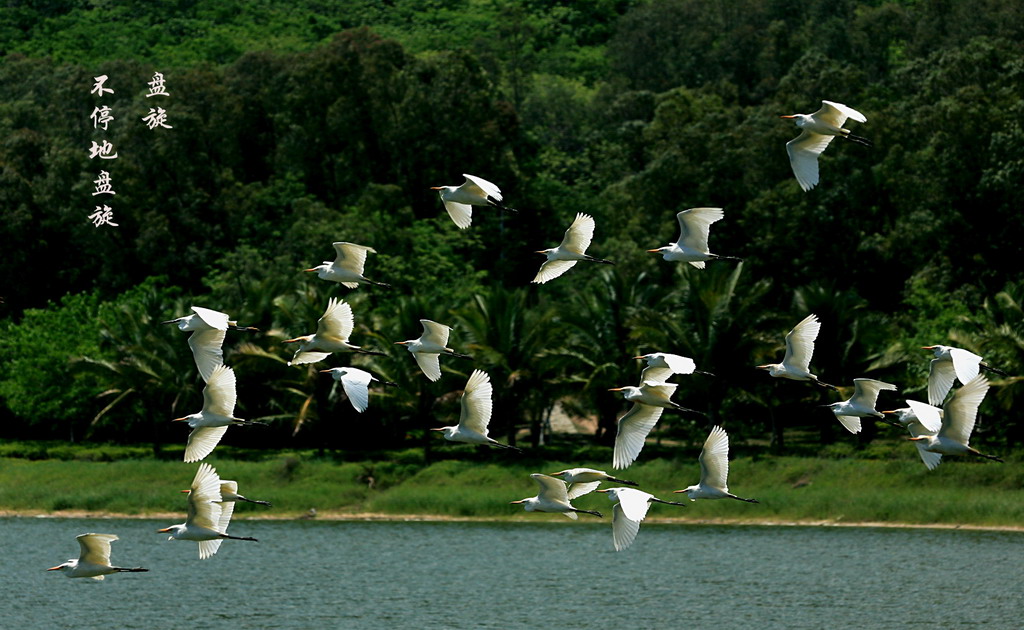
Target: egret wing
{"x":476,"y":404}
{"x":461,"y":213}
{"x":434,"y":333}
{"x":202,"y":441}
{"x":940,"y":380}
{"x":850,"y":423}
{"x":95,"y":548}
{"x":680,"y":364}
{"x":337,"y":321}
{"x":213,"y":319}
{"x":306,"y":356}
{"x":965,"y":364}
{"x":930,"y":459}
{"x":480,"y":186}
{"x":714,"y":460}
{"x":961,"y":411}
{"x":634,"y":503}
{"x":227,"y":508}
{"x":624,"y":530}
{"x":206,"y":350}
{"x":551,"y":488}
{"x":552,"y":269}
{"x":655,"y":374}
{"x":661,"y":390}
{"x":694,"y":225}
{"x":577,"y":238}
{"x":866,"y":390}
{"x":356,"y":384}
{"x":580,"y":489}
{"x":204,"y":498}
{"x":429,"y":363}
{"x":351,"y":256}
{"x":800,"y":343}
{"x":803,"y":156}
{"x":929,"y":417}
{"x":219,"y":393}
{"x":209,"y":547}
{"x":632,"y":431}
{"x":228,"y":490}
{"x":837,"y":113}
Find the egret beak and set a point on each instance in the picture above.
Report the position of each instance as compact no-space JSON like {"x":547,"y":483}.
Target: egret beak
{"x":515,"y":502}
{"x":326,"y":370}
{"x":928,"y":347}
{"x":291,"y":340}
{"x":170,"y":321}
{"x":437,"y":188}
{"x":616,"y":389}
{"x":888,"y":412}
{"x":787,"y":116}
{"x":313,"y":269}
{"x":602,"y":490}
{"x":640,"y":357}
{"x":558,"y":474}
{"x":163,"y":531}
{"x":440,"y":429}
{"x":179,"y":420}
{"x":401,"y":343}
{"x":762,"y":367}
{"x":677,"y":491}
{"x":915,"y":439}
{"x":541,"y":251}
{"x":56,"y":568}
{"x":654,"y":251}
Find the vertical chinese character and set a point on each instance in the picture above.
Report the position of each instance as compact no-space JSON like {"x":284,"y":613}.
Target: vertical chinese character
{"x":103,"y":151}
{"x":98,"y":88}
{"x":103,"y":216}
{"x":101,"y":116}
{"x":156,"y":118}
{"x":103,"y":185}
{"x":156,"y":86}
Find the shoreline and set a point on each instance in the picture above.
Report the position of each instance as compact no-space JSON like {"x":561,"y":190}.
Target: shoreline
{"x":441,"y":518}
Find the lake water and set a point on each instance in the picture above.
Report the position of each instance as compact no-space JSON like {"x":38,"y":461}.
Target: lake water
{"x":321,"y":574}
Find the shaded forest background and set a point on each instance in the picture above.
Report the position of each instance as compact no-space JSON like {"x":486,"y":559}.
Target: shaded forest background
{"x":297,"y":126}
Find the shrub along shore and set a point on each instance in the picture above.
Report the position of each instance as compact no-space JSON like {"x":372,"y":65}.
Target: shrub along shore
{"x":875,"y":488}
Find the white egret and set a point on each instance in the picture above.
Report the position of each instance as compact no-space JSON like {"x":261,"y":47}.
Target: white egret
{"x":347,"y":268}
{"x":649,"y":399}
{"x":796,"y":364}
{"x":332,"y":332}
{"x":692,"y":244}
{"x":356,"y":384}
{"x":553,"y":497}
{"x":952,"y":364}
{"x":210,"y":424}
{"x":714,"y":470}
{"x":207,"y":520}
{"x":572,"y":248}
{"x":920,"y":419}
{"x":662,"y":365}
{"x":861,"y":404}
{"x":94,"y":559}
{"x":229,"y":494}
{"x":429,"y":346}
{"x":958,"y":416}
{"x":630,"y":509}
{"x":475,"y":415}
{"x":818,"y":129}
{"x":459,"y":200}
{"x":581,"y":481}
{"x":208,"y":331}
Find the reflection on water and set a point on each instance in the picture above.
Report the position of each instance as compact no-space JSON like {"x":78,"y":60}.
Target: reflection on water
{"x":310,"y":574}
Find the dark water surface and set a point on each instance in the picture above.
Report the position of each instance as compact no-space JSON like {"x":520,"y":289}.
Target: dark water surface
{"x":321,"y":574}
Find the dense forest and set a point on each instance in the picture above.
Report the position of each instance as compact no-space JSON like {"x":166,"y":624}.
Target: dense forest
{"x":292,"y":128}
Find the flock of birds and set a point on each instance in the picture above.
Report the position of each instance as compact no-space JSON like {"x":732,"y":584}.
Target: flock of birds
{"x":940,"y":427}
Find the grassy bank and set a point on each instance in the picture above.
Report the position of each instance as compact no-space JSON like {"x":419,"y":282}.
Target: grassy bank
{"x":896,"y":489}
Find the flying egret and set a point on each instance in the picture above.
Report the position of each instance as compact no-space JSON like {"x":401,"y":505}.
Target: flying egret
{"x":692,"y":244}
{"x":581,"y":481}
{"x":796,"y":364}
{"x":649,"y":399}
{"x":553,"y":497}
{"x":207,"y":520}
{"x":428,"y":346}
{"x":332,"y":332}
{"x":630,"y":509}
{"x":476,"y":413}
{"x":818,"y":129}
{"x":861,"y":404}
{"x":347,"y":268}
{"x":662,"y":365}
{"x":356,"y":384}
{"x":714,"y":470}
{"x":210,"y":424}
{"x":952,"y":364}
{"x":459,"y":200}
{"x":229,"y":494}
{"x":208,"y":330}
{"x":94,"y":559}
{"x":920,"y":419}
{"x":572,"y":248}
{"x":958,"y":416}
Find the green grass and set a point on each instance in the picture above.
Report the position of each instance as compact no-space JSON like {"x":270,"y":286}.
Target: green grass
{"x":888,"y":487}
